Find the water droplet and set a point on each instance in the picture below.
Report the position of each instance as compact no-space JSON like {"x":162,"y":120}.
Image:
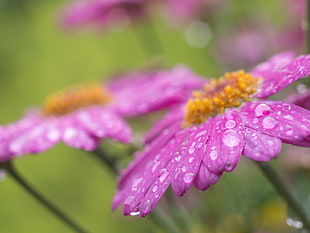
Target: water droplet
{"x":231,"y":138}
{"x":230,"y":124}
{"x":262,"y":109}
{"x":286,"y":106}
{"x":184,"y":168}
{"x":154,"y":189}
{"x":255,"y":120}
{"x":188,"y":178}
{"x":135,"y":184}
{"x":289,"y":132}
{"x":269,"y":123}
{"x":129,"y":200}
{"x":164,"y":175}
{"x":191,"y":150}
{"x":134,"y":213}
{"x":288,"y":117}
{"x":214,"y":155}
{"x":177,"y":158}
{"x":190,"y":160}
{"x":147,"y":206}
{"x":155,"y":166}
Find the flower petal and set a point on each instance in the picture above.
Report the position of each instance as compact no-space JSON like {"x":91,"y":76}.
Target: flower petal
{"x":205,"y":178}
{"x":190,"y":158}
{"x":142,"y":172}
{"x":103,"y":123}
{"x":175,"y":115}
{"x":225,"y":142}
{"x":42,"y":136}
{"x":286,"y":121}
{"x":261,"y":147}
{"x":157,"y":90}
{"x":281,"y":71}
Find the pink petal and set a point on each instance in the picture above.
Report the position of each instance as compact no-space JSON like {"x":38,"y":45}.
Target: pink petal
{"x":225,"y":142}
{"x":281,"y":71}
{"x":142,"y":93}
{"x":102,"y":123}
{"x":40,"y":137}
{"x":286,"y":121}
{"x":175,"y":115}
{"x":205,"y":178}
{"x":261,"y":147}
{"x":190,"y":158}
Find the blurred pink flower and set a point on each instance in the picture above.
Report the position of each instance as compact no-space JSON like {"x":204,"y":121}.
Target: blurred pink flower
{"x":81,"y":116}
{"x":228,"y":117}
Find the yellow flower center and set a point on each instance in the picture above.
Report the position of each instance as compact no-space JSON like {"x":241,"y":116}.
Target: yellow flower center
{"x":75,"y":98}
{"x":228,"y":91}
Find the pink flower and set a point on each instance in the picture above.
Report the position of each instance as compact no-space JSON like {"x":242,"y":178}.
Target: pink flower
{"x":196,"y":143}
{"x":102,"y":12}
{"x":81,"y":116}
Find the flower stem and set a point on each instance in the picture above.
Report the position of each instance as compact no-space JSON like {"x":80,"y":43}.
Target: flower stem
{"x":8,"y":166}
{"x":277,"y":183}
{"x":107,"y":161}
{"x":149,"y":39}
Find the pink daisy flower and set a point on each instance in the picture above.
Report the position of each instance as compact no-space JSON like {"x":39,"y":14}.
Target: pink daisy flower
{"x":83,"y":115}
{"x":102,"y":12}
{"x":227,"y":117}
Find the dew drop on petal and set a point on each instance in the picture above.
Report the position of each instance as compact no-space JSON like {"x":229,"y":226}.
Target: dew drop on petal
{"x":188,"y":178}
{"x":155,"y":166}
{"x":262,"y":109}
{"x":177,"y":158}
{"x":255,"y":120}
{"x":289,"y":117}
{"x":190,"y":160}
{"x":269,"y":123}
{"x":191,"y":150}
{"x":154,"y":189}
{"x":231,"y":138}
{"x":184,"y":168}
{"x":214,"y":155}
{"x":289,"y":132}
{"x":147,"y":206}
{"x":134,"y":213}
{"x":230,"y":124}
{"x":164,"y":175}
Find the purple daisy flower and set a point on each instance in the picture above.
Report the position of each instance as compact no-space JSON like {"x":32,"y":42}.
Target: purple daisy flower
{"x":81,"y":116}
{"x":227,"y":117}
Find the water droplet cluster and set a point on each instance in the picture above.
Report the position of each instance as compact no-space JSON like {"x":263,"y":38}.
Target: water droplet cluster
{"x":228,"y":91}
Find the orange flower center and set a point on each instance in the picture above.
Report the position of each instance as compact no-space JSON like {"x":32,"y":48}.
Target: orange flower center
{"x":75,"y":98}
{"x":228,"y":91}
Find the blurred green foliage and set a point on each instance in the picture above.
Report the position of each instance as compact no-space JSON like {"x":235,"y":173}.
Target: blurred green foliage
{"x":37,"y":57}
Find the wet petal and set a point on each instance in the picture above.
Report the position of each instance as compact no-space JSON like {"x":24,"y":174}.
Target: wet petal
{"x":142,"y":172}
{"x":281,"y":71}
{"x":261,"y":147}
{"x":102,"y":123}
{"x":226,"y":142}
{"x":175,"y":115}
{"x":190,"y":157}
{"x":205,"y":178}
{"x":36,"y":139}
{"x":157,"y":90}
{"x":286,"y":121}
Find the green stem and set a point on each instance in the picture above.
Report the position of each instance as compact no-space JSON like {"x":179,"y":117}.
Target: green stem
{"x":107,"y":161}
{"x":149,"y":39}
{"x":8,"y":166}
{"x":277,"y":183}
